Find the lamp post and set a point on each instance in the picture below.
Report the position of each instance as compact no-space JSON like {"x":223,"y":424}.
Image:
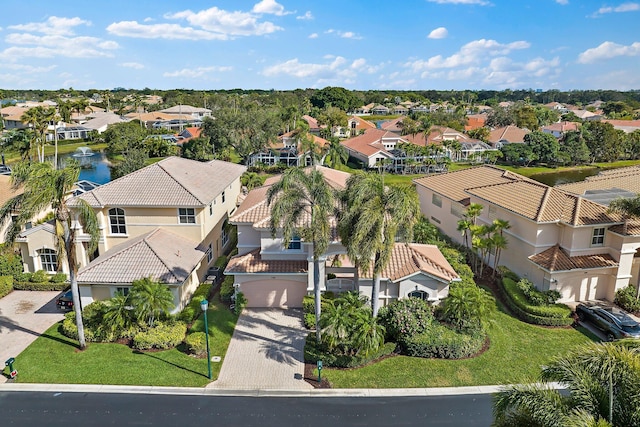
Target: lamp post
{"x":204,"y":305}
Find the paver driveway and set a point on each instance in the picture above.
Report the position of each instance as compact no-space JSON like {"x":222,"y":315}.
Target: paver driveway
{"x":24,"y":315}
{"x":266,"y":352}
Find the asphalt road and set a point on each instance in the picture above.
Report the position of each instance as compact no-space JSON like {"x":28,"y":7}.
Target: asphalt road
{"x":99,"y":409}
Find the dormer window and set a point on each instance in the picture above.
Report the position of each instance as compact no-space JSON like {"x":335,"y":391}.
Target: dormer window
{"x":295,"y":244}
{"x":597,"y":238}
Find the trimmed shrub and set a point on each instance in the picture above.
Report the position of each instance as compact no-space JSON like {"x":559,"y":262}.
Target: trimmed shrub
{"x":405,"y":317}
{"x":192,"y":310}
{"x":627,"y":298}
{"x":163,"y":336}
{"x":442,"y":342}
{"x":314,"y":352}
{"x":44,"y":286}
{"x":39,"y":276}
{"x":536,"y":297}
{"x":309,"y":302}
{"x":548,"y":315}
{"x":58,"y":278}
{"x":197,"y":344}
{"x":310,"y":320}
{"x":10,"y":263}
{"x":6,"y":285}
{"x":70,"y":330}
{"x":226,"y":289}
{"x":505,"y":272}
{"x":240,"y":303}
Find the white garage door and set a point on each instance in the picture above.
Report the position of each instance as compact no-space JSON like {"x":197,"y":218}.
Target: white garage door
{"x":274,"y":293}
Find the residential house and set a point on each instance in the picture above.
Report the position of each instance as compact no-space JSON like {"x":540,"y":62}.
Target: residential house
{"x":561,"y":238}
{"x":400,"y":110}
{"x":365,"y":110}
{"x":188,"y":134}
{"x":373,"y":146}
{"x":7,"y":192}
{"x":627,"y":126}
{"x":12,"y":117}
{"x":287,"y":150}
{"x":560,"y":108}
{"x":100,"y":122}
{"x":73,"y":132}
{"x":156,"y":117}
{"x":380,"y":110}
{"x":394,"y":125}
{"x":167,"y":220}
{"x":194,"y":112}
{"x":559,"y":129}
{"x":498,"y":137}
{"x":314,"y":127}
{"x":358,"y":125}
{"x":272,"y":274}
{"x":475,"y":121}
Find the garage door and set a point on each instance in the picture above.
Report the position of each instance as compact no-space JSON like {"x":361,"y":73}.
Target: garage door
{"x":274,"y":293}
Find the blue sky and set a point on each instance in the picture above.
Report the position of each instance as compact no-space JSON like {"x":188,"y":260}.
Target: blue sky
{"x":286,"y":44}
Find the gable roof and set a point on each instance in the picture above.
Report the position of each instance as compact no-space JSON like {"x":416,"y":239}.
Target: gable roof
{"x":253,"y":263}
{"x":185,"y":109}
{"x":173,"y":181}
{"x":103,"y":119}
{"x":165,"y":256}
{"x":627,"y":179}
{"x":312,"y":122}
{"x":409,"y":259}
{"x":369,"y":143}
{"x":508,"y":133}
{"x":557,"y":259}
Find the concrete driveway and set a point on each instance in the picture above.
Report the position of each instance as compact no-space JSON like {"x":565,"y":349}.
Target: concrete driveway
{"x":24,"y":315}
{"x":266,"y":352}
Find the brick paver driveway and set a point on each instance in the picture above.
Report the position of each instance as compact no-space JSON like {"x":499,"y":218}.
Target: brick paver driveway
{"x":24,"y":315}
{"x":266,"y":352}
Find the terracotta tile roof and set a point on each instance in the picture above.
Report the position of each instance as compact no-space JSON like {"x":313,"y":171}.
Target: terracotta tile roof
{"x":292,"y":134}
{"x":394,"y":125}
{"x":557,"y":259}
{"x":562,"y":127}
{"x":408,"y":259}
{"x":312,"y":122}
{"x":453,"y":184}
{"x":368,"y":143}
{"x":623,"y":178}
{"x":165,"y":256}
{"x":508,"y":133}
{"x":173,"y":181}
{"x":633,"y":228}
{"x":362,"y":123}
{"x":253,"y":263}
{"x":623,"y":123}
{"x":6,"y":190}
{"x":185,"y":109}
{"x":475,"y":121}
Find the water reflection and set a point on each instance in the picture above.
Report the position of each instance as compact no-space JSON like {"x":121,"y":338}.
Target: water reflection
{"x":94,"y":166}
{"x":565,"y":177}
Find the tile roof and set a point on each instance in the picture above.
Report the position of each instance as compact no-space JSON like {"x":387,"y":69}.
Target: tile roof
{"x":557,"y":259}
{"x":362,"y":123}
{"x":623,"y":178}
{"x":562,"y":127}
{"x":165,"y":256}
{"x":48,"y":227}
{"x":475,"y":121}
{"x":394,"y":125}
{"x":6,"y":189}
{"x":368,"y":143}
{"x":408,"y":259}
{"x":185,"y":109}
{"x":508,"y":133}
{"x":173,"y":181}
{"x":252,"y":262}
{"x":104,"y":119}
{"x":312,"y":122}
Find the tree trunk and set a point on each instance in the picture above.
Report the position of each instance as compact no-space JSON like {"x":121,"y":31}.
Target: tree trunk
{"x":69,"y":242}
{"x":75,"y":292}
{"x":375,"y":295}
{"x":316,"y":294}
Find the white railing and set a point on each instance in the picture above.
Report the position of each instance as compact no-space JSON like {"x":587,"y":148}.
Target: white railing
{"x":340,"y":285}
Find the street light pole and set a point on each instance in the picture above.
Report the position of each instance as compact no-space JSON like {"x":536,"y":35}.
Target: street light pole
{"x":204,"y":305}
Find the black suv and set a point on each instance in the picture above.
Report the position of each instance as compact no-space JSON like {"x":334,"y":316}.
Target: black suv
{"x":65,"y":301}
{"x":614,"y":322}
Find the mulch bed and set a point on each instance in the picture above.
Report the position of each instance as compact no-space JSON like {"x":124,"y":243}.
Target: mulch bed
{"x":312,"y":379}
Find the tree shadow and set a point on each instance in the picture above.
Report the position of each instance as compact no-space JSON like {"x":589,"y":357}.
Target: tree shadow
{"x":138,"y":352}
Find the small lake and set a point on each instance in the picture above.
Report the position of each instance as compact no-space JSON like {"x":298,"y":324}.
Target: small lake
{"x":565,"y":177}
{"x":94,"y":166}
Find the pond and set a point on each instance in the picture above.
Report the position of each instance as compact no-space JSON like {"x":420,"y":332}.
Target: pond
{"x":94,"y":165}
{"x":565,"y":177}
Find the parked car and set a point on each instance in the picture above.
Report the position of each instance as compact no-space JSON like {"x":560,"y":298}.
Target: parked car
{"x":65,"y":301}
{"x":612,"y":321}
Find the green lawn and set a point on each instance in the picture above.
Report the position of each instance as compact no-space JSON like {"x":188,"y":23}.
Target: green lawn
{"x":55,"y":359}
{"x":517,"y":352}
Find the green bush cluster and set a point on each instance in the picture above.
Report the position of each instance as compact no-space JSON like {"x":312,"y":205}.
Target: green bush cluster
{"x":192,"y":310}
{"x":40,"y":281}
{"x":10,"y":262}
{"x":160,"y":337}
{"x":627,"y":298}
{"x":6,"y":285}
{"x":226,"y":289}
{"x":240,"y":303}
{"x":309,"y":303}
{"x":442,"y":342}
{"x":549,"y":315}
{"x":196,"y":343}
{"x":536,"y":297}
{"x":405,"y":317}
{"x":95,"y":328}
{"x":314,"y":352}
{"x":309,"y":320}
{"x":44,"y":286}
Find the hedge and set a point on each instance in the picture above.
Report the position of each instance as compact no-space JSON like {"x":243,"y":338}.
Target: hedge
{"x":313,"y":353}
{"x":226,"y":289}
{"x":40,"y":286}
{"x":442,"y":342}
{"x":549,"y":315}
{"x":627,"y":298}
{"x":197,"y":344}
{"x":191,"y":311}
{"x":6,"y":285}
{"x":163,"y":336}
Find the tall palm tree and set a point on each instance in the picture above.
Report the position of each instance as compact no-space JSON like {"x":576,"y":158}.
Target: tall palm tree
{"x":38,"y":119}
{"x":46,"y":187}
{"x":337,"y":152}
{"x":499,"y":241}
{"x":301,"y":204}
{"x":603,"y":385}
{"x":374,"y":216}
{"x":628,"y":208}
{"x":150,"y":299}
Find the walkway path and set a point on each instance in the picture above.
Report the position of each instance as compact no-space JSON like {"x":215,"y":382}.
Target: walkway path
{"x":24,"y":315}
{"x":266,"y":352}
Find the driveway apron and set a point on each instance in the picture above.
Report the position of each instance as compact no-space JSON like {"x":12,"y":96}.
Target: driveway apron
{"x":266,"y":352}
{"x":24,"y":315}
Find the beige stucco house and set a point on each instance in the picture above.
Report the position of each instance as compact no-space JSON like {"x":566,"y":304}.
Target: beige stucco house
{"x":560,"y":238}
{"x":271,"y":274}
{"x":167,"y":220}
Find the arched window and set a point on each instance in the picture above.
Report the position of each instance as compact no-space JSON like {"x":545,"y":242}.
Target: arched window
{"x":48,"y":260}
{"x":117,"y":221}
{"x":419,"y":294}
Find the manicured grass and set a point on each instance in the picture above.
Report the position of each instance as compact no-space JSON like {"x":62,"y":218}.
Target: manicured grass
{"x":13,"y":156}
{"x":55,"y":359}
{"x":516,"y":353}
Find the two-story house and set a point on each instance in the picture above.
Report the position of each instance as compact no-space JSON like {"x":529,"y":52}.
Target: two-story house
{"x":560,"y":238}
{"x":167,"y":220}
{"x":271,"y":274}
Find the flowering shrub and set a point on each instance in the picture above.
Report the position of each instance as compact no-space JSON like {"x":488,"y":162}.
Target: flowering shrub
{"x":405,"y":318}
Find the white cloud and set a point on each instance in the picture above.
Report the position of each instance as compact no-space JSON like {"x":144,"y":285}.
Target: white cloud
{"x":608,"y":50}
{"x":53,"y":26}
{"x":337,"y":69}
{"x":148,"y":19}
{"x":270,"y":6}
{"x":344,"y":34}
{"x":224,"y":22}
{"x":197,"y":72}
{"x":134,"y":65}
{"x":438,"y":33}
{"x":562,"y":2}
{"x":161,"y":31}
{"x":624,"y":7}
{"x":480,"y":2}
{"x":307,"y":16}
{"x":313,"y":35}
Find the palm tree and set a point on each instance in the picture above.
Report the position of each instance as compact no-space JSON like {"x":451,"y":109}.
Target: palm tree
{"x":150,"y":299}
{"x":301,"y":204}
{"x":38,"y":119}
{"x":337,"y":152}
{"x":602,"y":382}
{"x":467,"y":305}
{"x":251,"y":180}
{"x":118,"y":313}
{"x":46,"y":187}
{"x":499,"y":241}
{"x":374,"y":216}
{"x":628,"y":208}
